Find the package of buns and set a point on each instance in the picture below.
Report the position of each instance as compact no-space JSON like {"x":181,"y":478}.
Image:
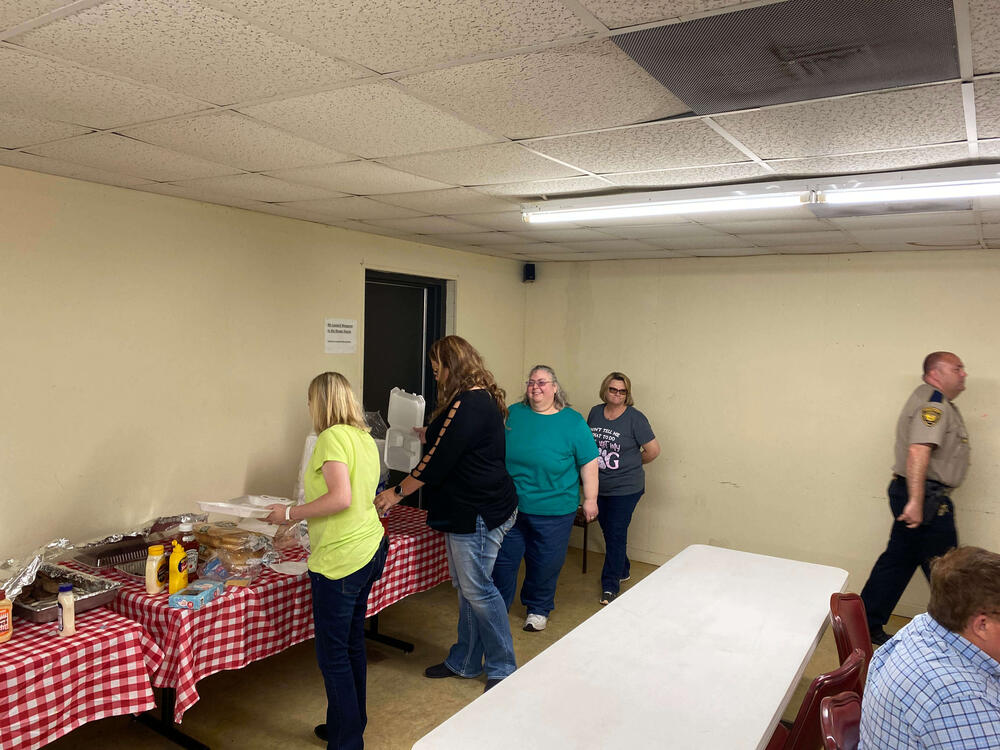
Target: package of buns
{"x":228,"y":536}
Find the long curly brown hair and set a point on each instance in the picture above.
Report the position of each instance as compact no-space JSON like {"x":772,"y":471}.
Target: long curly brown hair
{"x":461,"y":368}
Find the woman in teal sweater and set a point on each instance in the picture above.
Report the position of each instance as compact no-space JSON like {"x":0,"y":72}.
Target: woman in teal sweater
{"x":550,"y":450}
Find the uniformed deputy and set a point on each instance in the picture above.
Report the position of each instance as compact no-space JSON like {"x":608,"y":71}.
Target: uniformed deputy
{"x":932,"y":457}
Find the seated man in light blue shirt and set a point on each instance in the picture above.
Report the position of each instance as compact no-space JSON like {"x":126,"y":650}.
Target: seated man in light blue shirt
{"x":936,"y":684}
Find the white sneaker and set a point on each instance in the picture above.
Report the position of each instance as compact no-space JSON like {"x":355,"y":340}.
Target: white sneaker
{"x":534,"y":623}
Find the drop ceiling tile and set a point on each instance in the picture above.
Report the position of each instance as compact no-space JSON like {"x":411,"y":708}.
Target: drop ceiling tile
{"x":690,"y":176}
{"x":358,"y":177}
{"x":984,"y":17}
{"x":766,"y":227}
{"x":609,"y":246}
{"x":67,"y":169}
{"x":14,"y":12}
{"x":426,"y":225}
{"x":846,"y":247}
{"x":118,"y":154}
{"x":921,"y":235}
{"x":612,"y":226}
{"x":872,"y":162}
{"x":868,"y":122}
{"x":256,"y":187}
{"x":795,"y":238}
{"x":989,"y":149}
{"x":989,"y":217}
{"x":507,"y":221}
{"x":230,"y":138}
{"x":453,"y":201}
{"x":487,"y":238}
{"x":186,"y":47}
{"x":679,"y":143}
{"x":559,"y":90}
{"x":905,"y":221}
{"x":534,"y":248}
{"x":202,"y":196}
{"x":355,"y":208}
{"x":482,"y":165}
{"x":387,"y":35}
{"x":547,"y":234}
{"x":617,"y":14}
{"x":372,"y":119}
{"x":290,"y":211}
{"x":988,"y":107}
{"x":32,"y":86}
{"x":535,"y":188}
{"x":910,"y":247}
{"x":17,"y":131}
{"x":665,"y":232}
{"x":991,"y":231}
{"x":694,"y":244}
{"x":730,"y":252}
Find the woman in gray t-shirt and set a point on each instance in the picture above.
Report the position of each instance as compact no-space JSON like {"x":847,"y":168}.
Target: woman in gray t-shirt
{"x":626,"y":442}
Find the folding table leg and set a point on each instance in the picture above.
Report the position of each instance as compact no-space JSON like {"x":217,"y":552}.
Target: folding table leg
{"x":372,"y":634}
{"x":164,"y":723}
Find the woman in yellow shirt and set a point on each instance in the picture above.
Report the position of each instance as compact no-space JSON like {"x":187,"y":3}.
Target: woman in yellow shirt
{"x":348,"y":550}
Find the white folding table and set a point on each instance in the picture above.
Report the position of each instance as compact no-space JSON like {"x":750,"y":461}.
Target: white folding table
{"x":703,"y":653}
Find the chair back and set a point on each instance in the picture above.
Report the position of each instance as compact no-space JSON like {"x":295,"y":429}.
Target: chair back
{"x":840,"y":721}
{"x":850,"y":630}
{"x":805,"y":733}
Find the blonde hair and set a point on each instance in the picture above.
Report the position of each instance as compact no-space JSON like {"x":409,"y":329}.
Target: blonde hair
{"x":465,"y":370}
{"x":559,"y":399}
{"x":331,"y":401}
{"x":617,"y":376}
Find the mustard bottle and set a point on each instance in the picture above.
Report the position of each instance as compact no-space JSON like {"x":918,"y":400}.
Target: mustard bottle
{"x":6,"y":617}
{"x":178,"y":569}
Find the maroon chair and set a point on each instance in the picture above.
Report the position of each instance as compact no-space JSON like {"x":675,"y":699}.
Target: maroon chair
{"x":840,"y":720}
{"x":850,"y":630}
{"x":805,"y":733}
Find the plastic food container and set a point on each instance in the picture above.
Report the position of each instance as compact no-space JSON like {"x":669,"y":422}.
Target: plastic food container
{"x":402,"y":446}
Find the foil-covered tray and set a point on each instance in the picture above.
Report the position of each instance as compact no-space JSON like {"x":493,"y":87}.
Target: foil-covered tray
{"x":88,"y":592}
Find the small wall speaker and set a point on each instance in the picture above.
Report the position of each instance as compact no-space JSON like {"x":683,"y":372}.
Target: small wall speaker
{"x":529,"y":273}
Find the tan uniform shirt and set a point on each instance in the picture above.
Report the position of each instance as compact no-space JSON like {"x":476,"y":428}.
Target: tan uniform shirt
{"x":930,"y":418}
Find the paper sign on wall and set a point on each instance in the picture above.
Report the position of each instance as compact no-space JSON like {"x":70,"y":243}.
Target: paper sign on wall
{"x":341,"y":336}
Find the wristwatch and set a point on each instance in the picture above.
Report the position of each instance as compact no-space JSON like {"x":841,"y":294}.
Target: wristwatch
{"x":398,"y":489}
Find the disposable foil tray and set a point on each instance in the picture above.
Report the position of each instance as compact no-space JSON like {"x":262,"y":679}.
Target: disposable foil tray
{"x":88,"y":592}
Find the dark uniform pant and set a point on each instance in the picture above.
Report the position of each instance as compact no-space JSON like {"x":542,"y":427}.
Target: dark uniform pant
{"x":907,"y":550}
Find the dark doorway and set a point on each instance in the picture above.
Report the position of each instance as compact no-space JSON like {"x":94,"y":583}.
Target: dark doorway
{"x":404,"y":315}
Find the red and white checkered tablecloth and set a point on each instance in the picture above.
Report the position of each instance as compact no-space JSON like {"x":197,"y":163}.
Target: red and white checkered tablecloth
{"x":274,"y":613}
{"x":51,"y":685}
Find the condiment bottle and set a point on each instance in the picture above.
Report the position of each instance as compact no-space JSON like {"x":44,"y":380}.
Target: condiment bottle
{"x":156,"y":570}
{"x":6,"y":617}
{"x":67,"y":609}
{"x":190,"y":544}
{"x":178,"y":568}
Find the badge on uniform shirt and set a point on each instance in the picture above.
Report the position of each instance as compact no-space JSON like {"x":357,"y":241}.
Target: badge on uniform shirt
{"x":930,"y":415}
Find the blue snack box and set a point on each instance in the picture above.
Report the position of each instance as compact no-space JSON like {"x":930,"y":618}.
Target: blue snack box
{"x":196,"y":595}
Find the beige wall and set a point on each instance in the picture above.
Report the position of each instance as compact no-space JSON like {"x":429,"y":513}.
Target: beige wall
{"x":773,"y":384}
{"x":156,"y":350}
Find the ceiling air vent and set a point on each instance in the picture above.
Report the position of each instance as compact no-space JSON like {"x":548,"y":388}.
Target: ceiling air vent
{"x":798,"y":50}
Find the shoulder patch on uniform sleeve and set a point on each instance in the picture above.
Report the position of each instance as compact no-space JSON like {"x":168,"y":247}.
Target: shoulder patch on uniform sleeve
{"x":936,"y":398}
{"x":931,"y":415}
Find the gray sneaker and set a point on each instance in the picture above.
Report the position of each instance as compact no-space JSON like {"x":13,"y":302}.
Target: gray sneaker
{"x":534,"y":623}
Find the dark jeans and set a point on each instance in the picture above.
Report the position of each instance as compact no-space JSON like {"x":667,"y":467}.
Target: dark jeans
{"x":908,"y":549}
{"x":542,"y":542}
{"x":614,"y":514}
{"x":339,"y":612}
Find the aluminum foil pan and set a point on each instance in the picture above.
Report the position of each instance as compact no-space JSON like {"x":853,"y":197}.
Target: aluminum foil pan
{"x":88,"y":592}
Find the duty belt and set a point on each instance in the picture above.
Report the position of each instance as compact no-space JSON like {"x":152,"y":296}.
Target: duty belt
{"x":940,"y":489}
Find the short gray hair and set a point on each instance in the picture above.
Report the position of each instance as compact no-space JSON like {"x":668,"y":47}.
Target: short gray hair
{"x":561,"y":399}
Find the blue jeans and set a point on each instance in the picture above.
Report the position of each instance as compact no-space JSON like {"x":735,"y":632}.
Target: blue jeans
{"x":542,"y":542}
{"x":339,"y":612}
{"x":483,"y":627}
{"x":614,"y":514}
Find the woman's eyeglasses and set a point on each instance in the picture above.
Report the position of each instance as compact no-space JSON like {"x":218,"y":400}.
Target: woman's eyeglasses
{"x":618,"y":391}
{"x":539,"y":383}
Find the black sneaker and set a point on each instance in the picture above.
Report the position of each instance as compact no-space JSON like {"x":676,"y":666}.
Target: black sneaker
{"x":439,"y":670}
{"x":490,"y":684}
{"x":320,"y":731}
{"x":879,"y":637}
{"x":607,"y":597}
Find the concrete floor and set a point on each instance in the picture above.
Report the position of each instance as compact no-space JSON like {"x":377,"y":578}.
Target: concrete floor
{"x":276,"y":702}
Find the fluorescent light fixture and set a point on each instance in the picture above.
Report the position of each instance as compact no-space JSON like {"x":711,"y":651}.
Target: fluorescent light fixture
{"x":942,"y":191}
{"x":664,"y":208}
{"x":911,"y":186}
